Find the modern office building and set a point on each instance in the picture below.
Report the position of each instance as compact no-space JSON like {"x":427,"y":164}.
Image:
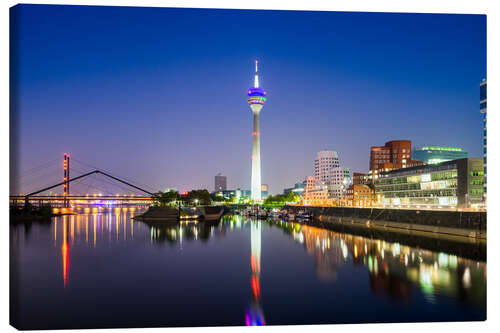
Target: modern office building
{"x":324,"y":161}
{"x":220,"y":182}
{"x":394,"y":154}
{"x":238,"y":193}
{"x":256,"y":99}
{"x":435,"y":154}
{"x":482,"y":109}
{"x":226,"y":194}
{"x":298,"y":188}
{"x":457,"y":183}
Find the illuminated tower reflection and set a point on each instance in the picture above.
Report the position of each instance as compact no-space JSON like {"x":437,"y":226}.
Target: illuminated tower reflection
{"x":254,"y":315}
{"x":65,"y":250}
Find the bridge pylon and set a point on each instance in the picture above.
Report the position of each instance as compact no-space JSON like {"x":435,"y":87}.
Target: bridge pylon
{"x":66,"y":179}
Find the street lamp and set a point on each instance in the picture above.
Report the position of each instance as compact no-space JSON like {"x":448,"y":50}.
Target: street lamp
{"x":196,"y":202}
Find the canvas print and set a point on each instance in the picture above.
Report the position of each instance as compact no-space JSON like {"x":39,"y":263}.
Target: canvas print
{"x":212,"y":167}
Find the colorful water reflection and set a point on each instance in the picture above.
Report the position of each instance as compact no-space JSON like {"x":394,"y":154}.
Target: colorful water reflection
{"x":106,"y":260}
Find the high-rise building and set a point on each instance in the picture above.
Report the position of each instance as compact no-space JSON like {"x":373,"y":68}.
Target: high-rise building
{"x":325,"y":160}
{"x":256,"y":99}
{"x":482,"y":109}
{"x":394,"y":154}
{"x":435,"y":154}
{"x":220,"y":182}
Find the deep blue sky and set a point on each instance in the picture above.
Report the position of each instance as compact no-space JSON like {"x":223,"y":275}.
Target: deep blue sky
{"x":158,"y":94}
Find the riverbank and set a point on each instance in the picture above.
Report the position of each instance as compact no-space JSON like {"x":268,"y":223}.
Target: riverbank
{"x":174,"y":214}
{"x":30,"y":213}
{"x":453,"y":223}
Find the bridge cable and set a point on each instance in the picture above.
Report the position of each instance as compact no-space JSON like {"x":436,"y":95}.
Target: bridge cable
{"x":108,"y":171}
{"x":97,"y":179}
{"x":38,"y":167}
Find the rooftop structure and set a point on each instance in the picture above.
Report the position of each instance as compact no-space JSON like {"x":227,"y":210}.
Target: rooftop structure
{"x":436,"y":154}
{"x":298,"y":188}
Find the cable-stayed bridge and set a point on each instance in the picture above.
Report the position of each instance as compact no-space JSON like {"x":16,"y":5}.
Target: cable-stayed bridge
{"x":81,"y":184}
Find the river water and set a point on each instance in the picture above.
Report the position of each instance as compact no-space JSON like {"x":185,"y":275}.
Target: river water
{"x":106,"y":270}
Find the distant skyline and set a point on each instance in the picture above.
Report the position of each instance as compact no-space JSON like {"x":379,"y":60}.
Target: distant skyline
{"x":158,"y":95}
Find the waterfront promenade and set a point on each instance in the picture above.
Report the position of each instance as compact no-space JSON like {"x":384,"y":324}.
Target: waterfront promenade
{"x":456,"y":223}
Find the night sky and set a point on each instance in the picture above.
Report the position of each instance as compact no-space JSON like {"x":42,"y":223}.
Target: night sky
{"x":157,"y":95}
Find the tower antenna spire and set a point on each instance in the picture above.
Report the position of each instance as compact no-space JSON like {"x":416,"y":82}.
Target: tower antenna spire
{"x":256,"y":81}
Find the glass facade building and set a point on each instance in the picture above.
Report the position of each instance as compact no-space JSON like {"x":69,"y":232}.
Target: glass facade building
{"x":298,"y":189}
{"x":482,"y":109}
{"x":435,"y":154}
{"x":451,"y":184}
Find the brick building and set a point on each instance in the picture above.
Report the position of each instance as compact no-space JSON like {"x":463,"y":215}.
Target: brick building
{"x":393,"y":155}
{"x":360,"y":195}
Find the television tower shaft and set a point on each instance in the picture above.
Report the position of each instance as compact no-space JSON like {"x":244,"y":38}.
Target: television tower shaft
{"x":256,"y":99}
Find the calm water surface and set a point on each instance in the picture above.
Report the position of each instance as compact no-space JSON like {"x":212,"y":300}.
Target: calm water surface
{"x":106,"y":270}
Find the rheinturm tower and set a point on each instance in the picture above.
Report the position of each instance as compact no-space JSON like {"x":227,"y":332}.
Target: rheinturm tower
{"x":256,"y":99}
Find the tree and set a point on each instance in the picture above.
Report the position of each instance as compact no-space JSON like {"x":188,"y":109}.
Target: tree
{"x":202,"y":197}
{"x":281,"y":199}
{"x":162,"y":199}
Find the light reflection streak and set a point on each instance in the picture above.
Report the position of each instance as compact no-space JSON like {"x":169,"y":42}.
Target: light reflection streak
{"x":117,"y":217}
{"x":77,"y":225}
{"x":94,"y":220}
{"x":72,"y":218}
{"x":55,"y":232}
{"x":65,"y":251}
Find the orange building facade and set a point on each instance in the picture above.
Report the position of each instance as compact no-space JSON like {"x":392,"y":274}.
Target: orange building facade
{"x":360,"y":195}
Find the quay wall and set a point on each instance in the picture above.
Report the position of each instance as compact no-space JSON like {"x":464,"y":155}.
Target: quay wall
{"x":468,"y":224}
